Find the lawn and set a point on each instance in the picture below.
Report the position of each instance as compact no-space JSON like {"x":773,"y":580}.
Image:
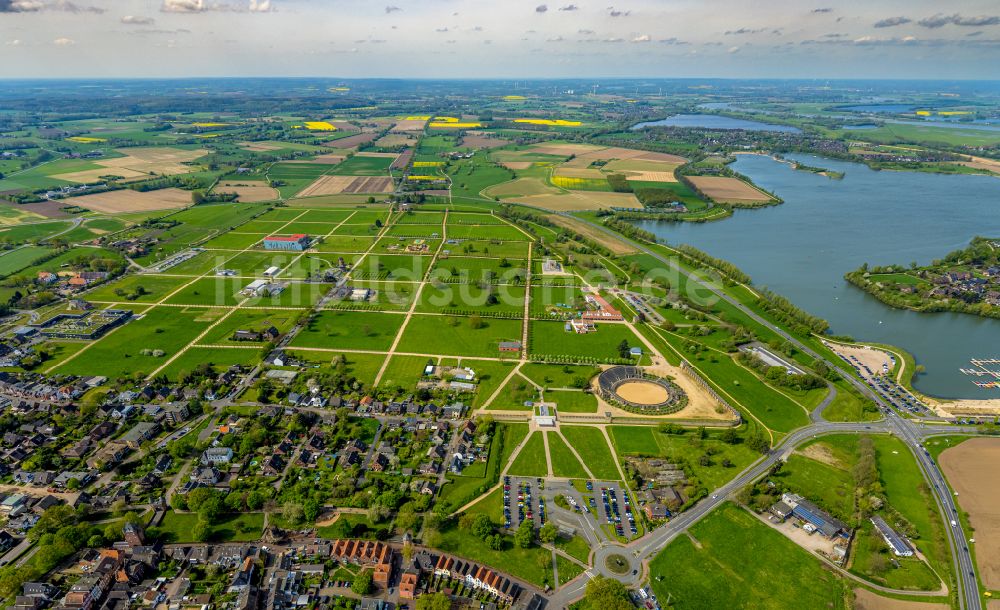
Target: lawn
{"x":738,"y":562}
{"x":573,"y":402}
{"x":243,"y":527}
{"x":350,"y":330}
{"x":590,"y":444}
{"x":119,"y":353}
{"x":831,"y":488}
{"x":457,"y":336}
{"x":472,"y":298}
{"x":153,"y":288}
{"x":559,"y":375}
{"x":551,"y":338}
{"x":363,"y":367}
{"x":531,"y":461}
{"x":220,"y":359}
{"x":250,"y":319}
{"x":564,"y":463}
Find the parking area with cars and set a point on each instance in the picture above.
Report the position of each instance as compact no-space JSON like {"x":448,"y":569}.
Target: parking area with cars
{"x":523,"y":501}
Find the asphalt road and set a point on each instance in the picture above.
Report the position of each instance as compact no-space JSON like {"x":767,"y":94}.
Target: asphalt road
{"x":966,"y":585}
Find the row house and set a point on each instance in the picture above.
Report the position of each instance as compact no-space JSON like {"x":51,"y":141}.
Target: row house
{"x":477,"y":577}
{"x":377,"y":555}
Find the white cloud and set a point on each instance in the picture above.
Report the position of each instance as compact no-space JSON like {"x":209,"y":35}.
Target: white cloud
{"x":136,"y":20}
{"x":183,"y":6}
{"x":64,"y":42}
{"x":643,"y":38}
{"x":13,"y":43}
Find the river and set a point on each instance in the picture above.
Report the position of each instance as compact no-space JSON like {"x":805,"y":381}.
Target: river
{"x":802,"y":248}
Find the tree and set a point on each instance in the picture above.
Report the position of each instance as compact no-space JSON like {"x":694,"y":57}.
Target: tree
{"x":433,"y":601}
{"x":201,"y":531}
{"x":548,"y":532}
{"x":758,"y":442}
{"x":482,"y":527}
{"x":292,"y":512}
{"x":362,"y":584}
{"x":524,"y":535}
{"x":607,"y":594}
{"x":495,"y":542}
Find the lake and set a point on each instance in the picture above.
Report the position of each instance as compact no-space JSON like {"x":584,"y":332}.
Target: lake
{"x":714,"y":121}
{"x":802,"y":248}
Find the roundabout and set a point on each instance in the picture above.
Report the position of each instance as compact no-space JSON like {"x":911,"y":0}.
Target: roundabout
{"x":618,"y":562}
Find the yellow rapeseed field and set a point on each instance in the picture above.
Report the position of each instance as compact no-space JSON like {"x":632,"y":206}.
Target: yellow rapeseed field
{"x":570,"y":183}
{"x":447,"y":119}
{"x":514,"y":98}
{"x":319,"y":126}
{"x":209,"y":124}
{"x":549,"y":122}
{"x":419,"y":117}
{"x":86,"y":140}
{"x":427,"y":163}
{"x":426,"y":178}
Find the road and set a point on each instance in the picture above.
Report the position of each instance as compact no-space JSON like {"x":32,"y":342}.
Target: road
{"x":966,"y":585}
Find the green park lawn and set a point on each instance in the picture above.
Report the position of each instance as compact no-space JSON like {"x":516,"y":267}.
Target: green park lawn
{"x":457,"y":335}
{"x":738,"y":562}
{"x":372,"y":331}
{"x":590,"y":444}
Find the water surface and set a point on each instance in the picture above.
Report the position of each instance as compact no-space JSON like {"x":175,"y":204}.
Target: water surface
{"x":714,"y":121}
{"x":802,"y":248}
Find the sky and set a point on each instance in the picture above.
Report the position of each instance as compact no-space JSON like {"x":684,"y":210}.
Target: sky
{"x":500,"y":38}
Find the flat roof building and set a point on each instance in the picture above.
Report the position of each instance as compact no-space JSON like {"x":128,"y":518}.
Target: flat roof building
{"x":297,"y":242}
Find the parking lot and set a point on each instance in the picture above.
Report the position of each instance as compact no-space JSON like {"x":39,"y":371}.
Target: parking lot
{"x":523,"y":501}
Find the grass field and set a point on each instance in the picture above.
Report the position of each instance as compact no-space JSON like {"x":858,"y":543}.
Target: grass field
{"x":722,"y":570}
{"x":564,"y":463}
{"x":456,"y":336}
{"x":119,"y":353}
{"x":590,"y":444}
{"x":531,"y":461}
{"x":177,"y":527}
{"x":350,"y":330}
{"x":552,"y":339}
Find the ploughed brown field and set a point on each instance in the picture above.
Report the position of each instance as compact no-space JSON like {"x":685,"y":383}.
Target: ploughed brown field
{"x":335,"y":185}
{"x":729,"y":190}
{"x":866,"y":600}
{"x":479,"y":142}
{"x":352,"y":141}
{"x":248,"y":190}
{"x":116,"y":202}
{"x":971,"y":470}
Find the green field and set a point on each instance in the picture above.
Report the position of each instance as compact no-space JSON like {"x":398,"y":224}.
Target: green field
{"x":738,"y":562}
{"x":590,"y":444}
{"x":333,"y":330}
{"x":564,"y":463}
{"x":119,"y":354}
{"x":457,"y":336}
{"x":531,"y":461}
{"x":551,"y":338}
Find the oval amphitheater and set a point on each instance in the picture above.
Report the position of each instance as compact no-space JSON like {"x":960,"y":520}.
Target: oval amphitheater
{"x":629,"y":387}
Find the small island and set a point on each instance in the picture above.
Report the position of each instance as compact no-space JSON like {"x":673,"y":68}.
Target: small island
{"x":966,"y":281}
